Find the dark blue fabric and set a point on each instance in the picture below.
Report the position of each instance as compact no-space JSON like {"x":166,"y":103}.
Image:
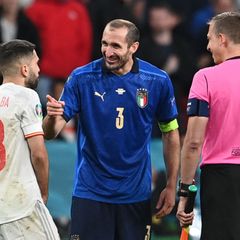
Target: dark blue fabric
{"x":196,"y":107}
{"x":114,"y":221}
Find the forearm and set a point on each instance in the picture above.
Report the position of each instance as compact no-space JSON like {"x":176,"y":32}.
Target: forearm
{"x":171,"y":148}
{"x":51,"y":126}
{"x":192,"y":147}
{"x":190,"y":156}
{"x":41,"y":167}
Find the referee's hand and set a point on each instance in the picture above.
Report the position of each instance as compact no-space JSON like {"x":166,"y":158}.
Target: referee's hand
{"x":185,"y":219}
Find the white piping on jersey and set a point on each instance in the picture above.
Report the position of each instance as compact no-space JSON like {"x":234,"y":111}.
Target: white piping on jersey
{"x":46,"y":223}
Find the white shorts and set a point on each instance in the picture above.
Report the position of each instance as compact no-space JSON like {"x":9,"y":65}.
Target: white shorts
{"x":37,"y":226}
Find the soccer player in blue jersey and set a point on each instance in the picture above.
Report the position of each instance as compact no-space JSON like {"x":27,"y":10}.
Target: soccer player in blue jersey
{"x":117,"y":98}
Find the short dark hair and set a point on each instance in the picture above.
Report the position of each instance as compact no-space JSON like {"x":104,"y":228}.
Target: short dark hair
{"x":133,"y":34}
{"x":12,"y":52}
{"x":227,"y":23}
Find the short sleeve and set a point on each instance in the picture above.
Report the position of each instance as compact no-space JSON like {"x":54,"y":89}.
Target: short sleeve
{"x":71,"y":97}
{"x":31,"y":117}
{"x":199,"y":88}
{"x":167,"y":109}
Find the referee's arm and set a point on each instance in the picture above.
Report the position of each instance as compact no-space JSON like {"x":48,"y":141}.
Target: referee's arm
{"x":192,"y":146}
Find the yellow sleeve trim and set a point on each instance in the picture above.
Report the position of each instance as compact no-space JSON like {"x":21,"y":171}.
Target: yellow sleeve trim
{"x":167,"y":127}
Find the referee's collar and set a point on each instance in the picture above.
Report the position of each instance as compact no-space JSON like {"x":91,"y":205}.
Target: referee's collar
{"x":134,"y":69}
{"x":236,"y":57}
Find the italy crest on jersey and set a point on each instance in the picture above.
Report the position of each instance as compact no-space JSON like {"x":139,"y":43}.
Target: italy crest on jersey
{"x":142,"y":97}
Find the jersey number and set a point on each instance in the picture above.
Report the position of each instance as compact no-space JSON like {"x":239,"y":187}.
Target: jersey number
{"x":119,"y":118}
{"x":2,"y":148}
{"x":147,"y":236}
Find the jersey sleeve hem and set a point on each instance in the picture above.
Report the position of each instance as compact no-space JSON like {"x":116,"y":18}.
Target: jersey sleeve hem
{"x":33,"y":134}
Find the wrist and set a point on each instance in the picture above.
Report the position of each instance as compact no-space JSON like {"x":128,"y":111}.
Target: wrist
{"x":183,"y":188}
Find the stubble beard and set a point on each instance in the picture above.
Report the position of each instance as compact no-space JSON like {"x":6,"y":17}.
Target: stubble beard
{"x":116,"y":66}
{"x":32,"y":81}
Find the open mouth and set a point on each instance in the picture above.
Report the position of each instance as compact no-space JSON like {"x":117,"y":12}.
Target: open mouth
{"x":111,"y":61}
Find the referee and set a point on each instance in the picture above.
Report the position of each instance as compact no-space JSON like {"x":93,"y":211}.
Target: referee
{"x":212,"y":132}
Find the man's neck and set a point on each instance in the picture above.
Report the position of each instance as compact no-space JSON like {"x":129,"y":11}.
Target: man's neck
{"x":232,"y":51}
{"x":14,"y":80}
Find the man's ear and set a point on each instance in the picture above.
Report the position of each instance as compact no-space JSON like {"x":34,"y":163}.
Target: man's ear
{"x":223,"y":39}
{"x":24,"y":70}
{"x":134,"y":47}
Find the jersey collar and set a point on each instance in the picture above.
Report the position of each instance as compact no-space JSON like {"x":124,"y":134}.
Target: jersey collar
{"x":236,"y":57}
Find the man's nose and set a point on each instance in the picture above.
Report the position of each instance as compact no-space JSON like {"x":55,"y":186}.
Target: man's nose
{"x":109,"y":52}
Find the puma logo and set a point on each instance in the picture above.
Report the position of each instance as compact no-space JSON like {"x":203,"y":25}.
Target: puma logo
{"x":99,"y":95}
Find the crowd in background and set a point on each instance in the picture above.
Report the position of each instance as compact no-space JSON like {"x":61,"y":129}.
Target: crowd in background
{"x":67,"y":34}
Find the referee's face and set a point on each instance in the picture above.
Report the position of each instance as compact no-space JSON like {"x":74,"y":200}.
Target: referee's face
{"x":116,"y":51}
{"x":215,"y":45}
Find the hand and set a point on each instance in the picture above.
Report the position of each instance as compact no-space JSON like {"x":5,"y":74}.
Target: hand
{"x":166,"y":202}
{"x":54,"y":107}
{"x":45,"y":198}
{"x":185,"y":219}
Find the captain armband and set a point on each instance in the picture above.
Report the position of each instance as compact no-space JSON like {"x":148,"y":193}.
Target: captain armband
{"x":167,"y":127}
{"x":197,"y":107}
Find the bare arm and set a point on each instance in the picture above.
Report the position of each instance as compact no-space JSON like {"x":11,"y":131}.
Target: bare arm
{"x":39,"y":158}
{"x":192,"y":147}
{"x":190,"y":156}
{"x":54,"y":122}
{"x":171,"y":148}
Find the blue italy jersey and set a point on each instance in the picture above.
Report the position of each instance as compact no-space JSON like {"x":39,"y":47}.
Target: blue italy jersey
{"x":116,"y":115}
